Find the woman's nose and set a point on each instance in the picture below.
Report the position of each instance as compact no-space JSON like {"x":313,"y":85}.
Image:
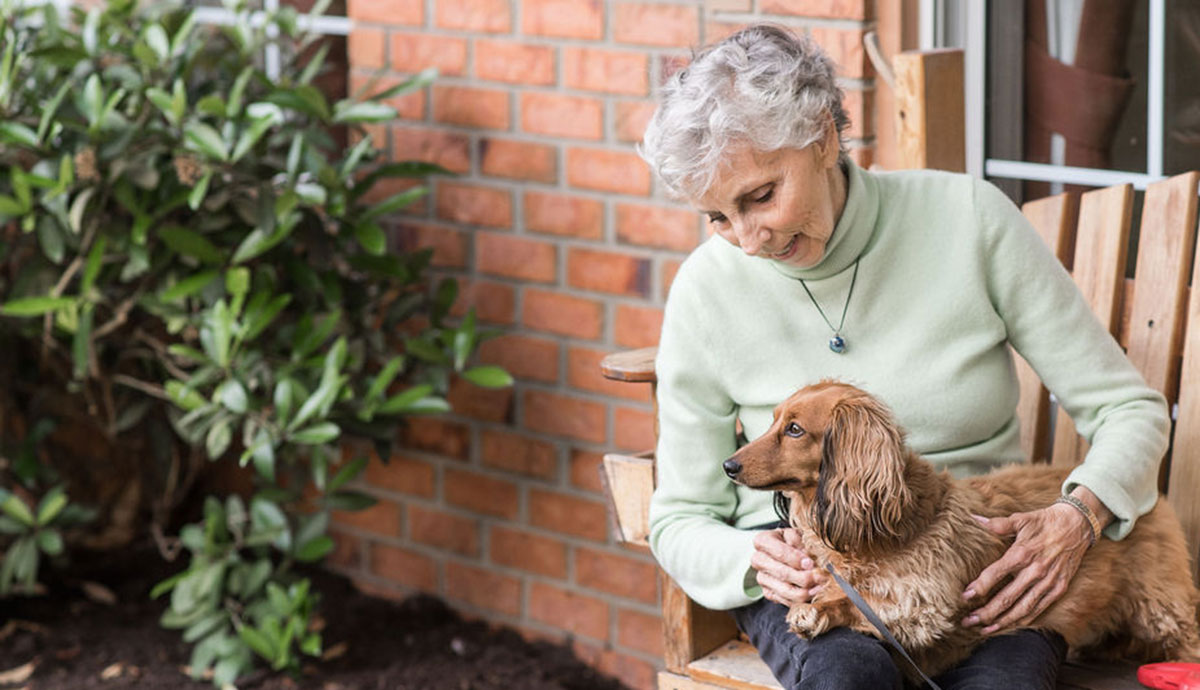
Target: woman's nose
{"x":751,"y":236}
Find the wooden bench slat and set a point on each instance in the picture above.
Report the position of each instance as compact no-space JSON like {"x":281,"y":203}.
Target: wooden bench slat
{"x":1054,"y":219}
{"x":689,"y":630}
{"x":635,"y":366}
{"x":628,"y":482}
{"x":1101,"y":246}
{"x":735,"y":664}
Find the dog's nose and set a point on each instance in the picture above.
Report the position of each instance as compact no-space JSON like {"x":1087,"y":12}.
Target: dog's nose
{"x":732,"y":468}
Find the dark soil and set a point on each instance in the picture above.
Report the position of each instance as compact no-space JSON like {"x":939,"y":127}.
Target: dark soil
{"x":76,"y":643}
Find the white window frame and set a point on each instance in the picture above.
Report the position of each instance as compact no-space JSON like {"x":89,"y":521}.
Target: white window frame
{"x":963,"y":24}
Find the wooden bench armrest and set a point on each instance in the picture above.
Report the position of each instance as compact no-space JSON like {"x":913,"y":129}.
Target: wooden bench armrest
{"x":634,"y":366}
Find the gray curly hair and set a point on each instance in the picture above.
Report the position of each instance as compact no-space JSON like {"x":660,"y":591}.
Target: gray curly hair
{"x":763,"y":86}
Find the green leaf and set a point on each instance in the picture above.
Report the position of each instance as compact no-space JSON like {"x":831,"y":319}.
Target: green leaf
{"x":284,"y":394}
{"x":189,"y":243}
{"x":250,"y":137}
{"x":388,"y":374}
{"x":167,"y":584}
{"x":349,"y":500}
{"x":218,"y":438}
{"x":188,"y":286}
{"x":351,"y":470}
{"x":17,"y":509}
{"x":51,"y":542}
{"x":366,"y":111}
{"x":205,"y":626}
{"x":258,"y":642}
{"x":259,"y":319}
{"x":395,"y":202}
{"x":184,"y":396}
{"x":93,"y":99}
{"x":206,"y":140}
{"x":78,"y":208}
{"x":237,"y":281}
{"x":50,"y":238}
{"x":34,"y":306}
{"x":310,"y":193}
{"x":232,"y":395}
{"x":51,"y":505}
{"x":17,"y":133}
{"x":156,"y":38}
{"x":162,"y":100}
{"x":488,"y":377}
{"x":52,"y":108}
{"x":213,"y":105}
{"x":315,"y":550}
{"x":417,"y":81}
{"x":234,"y":108}
{"x":263,"y":452}
{"x":401,"y":402}
{"x":91,"y":269}
{"x":371,"y":237}
{"x":317,"y":433}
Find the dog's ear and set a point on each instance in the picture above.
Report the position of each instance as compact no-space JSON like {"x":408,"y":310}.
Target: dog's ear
{"x":861,"y":498}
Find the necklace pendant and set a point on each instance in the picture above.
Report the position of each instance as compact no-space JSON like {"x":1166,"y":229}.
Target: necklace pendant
{"x":837,"y":344}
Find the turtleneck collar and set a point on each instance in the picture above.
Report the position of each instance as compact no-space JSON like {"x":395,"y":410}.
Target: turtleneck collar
{"x":852,"y":232}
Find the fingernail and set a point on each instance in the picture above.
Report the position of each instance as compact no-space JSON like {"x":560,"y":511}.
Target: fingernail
{"x":968,"y":594}
{"x":815,"y":591}
{"x":990,"y":629}
{"x":807,"y":564}
{"x":980,"y":518}
{"x":970,"y":620}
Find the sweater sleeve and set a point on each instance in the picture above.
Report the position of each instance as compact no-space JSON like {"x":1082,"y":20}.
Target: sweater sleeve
{"x":694,"y":502}
{"x":1050,"y":323}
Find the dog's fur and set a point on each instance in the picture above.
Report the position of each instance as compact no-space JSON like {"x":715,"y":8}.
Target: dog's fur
{"x":902,"y":534}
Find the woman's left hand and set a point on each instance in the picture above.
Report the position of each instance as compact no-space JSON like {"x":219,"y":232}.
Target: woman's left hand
{"x":1048,"y":548}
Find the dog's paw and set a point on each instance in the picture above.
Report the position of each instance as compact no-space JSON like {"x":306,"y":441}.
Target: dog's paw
{"x":807,"y":620}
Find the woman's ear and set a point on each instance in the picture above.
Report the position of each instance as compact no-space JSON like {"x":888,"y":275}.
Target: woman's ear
{"x":861,"y":498}
{"x":829,"y":145}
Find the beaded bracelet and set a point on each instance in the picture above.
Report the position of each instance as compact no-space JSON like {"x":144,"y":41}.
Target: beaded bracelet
{"x":1087,"y":513}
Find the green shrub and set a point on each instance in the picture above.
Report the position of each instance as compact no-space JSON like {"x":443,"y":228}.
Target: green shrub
{"x":182,"y":235}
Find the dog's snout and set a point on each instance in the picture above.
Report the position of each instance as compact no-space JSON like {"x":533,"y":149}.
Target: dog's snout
{"x":732,"y":468}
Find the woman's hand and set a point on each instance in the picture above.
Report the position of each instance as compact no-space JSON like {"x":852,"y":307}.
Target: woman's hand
{"x":1048,"y":548}
{"x":785,"y":572}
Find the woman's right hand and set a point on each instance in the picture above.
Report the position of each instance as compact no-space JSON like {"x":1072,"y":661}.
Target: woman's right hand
{"x":785,"y":572}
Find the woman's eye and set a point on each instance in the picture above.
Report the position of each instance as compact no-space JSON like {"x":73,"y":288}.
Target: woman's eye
{"x":793,"y":429}
{"x":716,"y":220}
{"x":764,"y":198}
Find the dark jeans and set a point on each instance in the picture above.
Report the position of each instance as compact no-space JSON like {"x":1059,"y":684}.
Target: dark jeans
{"x":842,"y":659}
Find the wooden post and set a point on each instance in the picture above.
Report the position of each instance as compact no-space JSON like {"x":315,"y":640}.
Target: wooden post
{"x":929,"y":109}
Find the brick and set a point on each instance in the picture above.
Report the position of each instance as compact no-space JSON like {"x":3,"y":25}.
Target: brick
{"x":562,"y":415}
{"x":859,"y":107}
{"x":637,"y":326}
{"x":490,"y":16}
{"x":450,"y":150}
{"x":845,"y":48}
{"x":592,"y":69}
{"x":381,"y":590}
{"x":524,"y":551}
{"x":585,"y":470}
{"x":515,"y":257}
{"x":563,"y":18}
{"x":575,"y":317}
{"x":443,"y":530}
{"x":520,"y":454}
{"x":365,"y":48}
{"x":574,"y":612}
{"x":381,"y":518}
{"x":640,"y":631}
{"x":480,"y":493}
{"x":830,"y":9}
{"x":477,"y":402}
{"x":514,"y":63}
{"x":633,"y":429}
{"x":656,"y":25}
{"x":525,"y":357}
{"x":401,"y":474}
{"x":404,"y":566}
{"x":608,"y":171}
{"x":620,"y":274}
{"x":413,"y":52}
{"x":483,"y":588}
{"x":556,"y":115}
{"x":727,"y":5}
{"x":668,"y":65}
{"x":568,"y":514}
{"x":474,"y":204}
{"x":719,"y":31}
{"x":471,"y":107}
{"x":619,"y":575}
{"x":449,"y":245}
{"x":493,"y":302}
{"x":409,"y":12}
{"x":563,"y":214}
{"x":583,"y":372}
{"x":438,"y":436}
{"x":658,"y":226}
{"x":347,"y":550}
{"x":632,"y":671}
{"x":632,"y":118}
{"x":670,"y":268}
{"x":518,"y":160}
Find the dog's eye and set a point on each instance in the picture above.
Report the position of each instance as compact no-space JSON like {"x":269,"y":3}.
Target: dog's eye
{"x":793,"y":429}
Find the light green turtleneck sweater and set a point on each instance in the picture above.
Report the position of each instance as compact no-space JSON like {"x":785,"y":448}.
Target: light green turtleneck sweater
{"x":950,"y":274}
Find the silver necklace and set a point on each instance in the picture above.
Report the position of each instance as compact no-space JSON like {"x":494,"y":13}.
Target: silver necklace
{"x":837,"y":343}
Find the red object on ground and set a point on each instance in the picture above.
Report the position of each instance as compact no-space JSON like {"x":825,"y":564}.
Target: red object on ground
{"x":1170,"y":676}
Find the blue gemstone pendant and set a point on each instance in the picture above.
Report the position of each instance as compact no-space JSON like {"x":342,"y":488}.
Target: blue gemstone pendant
{"x":837,"y":344}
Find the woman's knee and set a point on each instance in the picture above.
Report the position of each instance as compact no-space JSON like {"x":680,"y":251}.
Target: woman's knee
{"x":848,"y":660}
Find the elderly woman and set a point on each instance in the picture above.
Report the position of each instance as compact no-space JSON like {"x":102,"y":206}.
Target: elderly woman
{"x":911,"y":284}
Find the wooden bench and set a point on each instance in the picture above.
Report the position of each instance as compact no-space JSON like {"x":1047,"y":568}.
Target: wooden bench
{"x":1148,"y":314}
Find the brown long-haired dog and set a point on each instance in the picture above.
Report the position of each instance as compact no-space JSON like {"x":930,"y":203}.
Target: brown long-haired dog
{"x":902,"y":534}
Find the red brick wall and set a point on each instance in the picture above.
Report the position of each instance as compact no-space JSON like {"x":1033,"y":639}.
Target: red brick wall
{"x":561,"y":239}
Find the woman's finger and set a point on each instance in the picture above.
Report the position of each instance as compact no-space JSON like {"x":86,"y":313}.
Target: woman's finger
{"x":780,"y":591}
{"x":1030,"y":604}
{"x":1004,"y":600}
{"x":779,"y":570}
{"x":772,"y":543}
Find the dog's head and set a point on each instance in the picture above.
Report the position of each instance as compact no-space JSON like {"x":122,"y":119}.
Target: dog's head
{"x":838,"y":449}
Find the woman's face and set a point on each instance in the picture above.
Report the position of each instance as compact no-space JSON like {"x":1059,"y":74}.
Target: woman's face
{"x":781,"y":205}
